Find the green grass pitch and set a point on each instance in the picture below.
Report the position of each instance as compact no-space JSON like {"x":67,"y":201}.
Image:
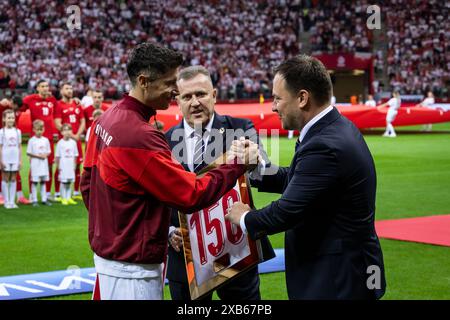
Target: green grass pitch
{"x":413,"y":173}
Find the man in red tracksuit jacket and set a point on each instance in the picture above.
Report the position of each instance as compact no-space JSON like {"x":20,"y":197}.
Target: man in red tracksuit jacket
{"x":130,"y":181}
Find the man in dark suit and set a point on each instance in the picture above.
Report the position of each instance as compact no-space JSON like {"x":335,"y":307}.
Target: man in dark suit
{"x":327,"y":206}
{"x":197,"y":140}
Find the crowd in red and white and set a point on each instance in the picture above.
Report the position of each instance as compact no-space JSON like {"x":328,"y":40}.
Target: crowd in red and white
{"x":418,"y":40}
{"x":238,"y":41}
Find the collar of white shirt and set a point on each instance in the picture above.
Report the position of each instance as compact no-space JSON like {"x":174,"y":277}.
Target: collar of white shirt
{"x":312,"y":122}
{"x":188,"y":130}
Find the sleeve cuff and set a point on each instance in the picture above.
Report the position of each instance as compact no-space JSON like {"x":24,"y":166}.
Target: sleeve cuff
{"x":242,"y":222}
{"x":171,"y":229}
{"x":258,"y":172}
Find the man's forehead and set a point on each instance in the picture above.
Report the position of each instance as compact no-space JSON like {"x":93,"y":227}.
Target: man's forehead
{"x":278,"y":83}
{"x":198,"y":83}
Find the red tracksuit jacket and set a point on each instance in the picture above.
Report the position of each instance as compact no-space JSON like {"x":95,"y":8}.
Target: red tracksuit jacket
{"x":130,"y":181}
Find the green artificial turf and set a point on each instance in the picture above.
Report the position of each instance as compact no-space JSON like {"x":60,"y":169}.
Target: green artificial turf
{"x":413,"y":172}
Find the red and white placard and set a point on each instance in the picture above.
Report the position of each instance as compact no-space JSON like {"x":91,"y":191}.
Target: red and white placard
{"x":215,"y":249}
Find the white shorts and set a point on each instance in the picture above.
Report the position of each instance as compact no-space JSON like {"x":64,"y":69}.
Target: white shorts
{"x":66,"y":180}
{"x":11,"y":167}
{"x":118,"y":280}
{"x":39,"y":178}
{"x":113,"y":288}
{"x":391,"y":114}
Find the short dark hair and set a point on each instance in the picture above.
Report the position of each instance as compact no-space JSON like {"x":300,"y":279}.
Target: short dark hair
{"x":153,"y":59}
{"x":64,"y":83}
{"x":192,"y":71}
{"x":307,"y":73}
{"x":40,"y":81}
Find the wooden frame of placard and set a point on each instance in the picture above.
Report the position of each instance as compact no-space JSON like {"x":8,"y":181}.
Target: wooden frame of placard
{"x":222,"y":272}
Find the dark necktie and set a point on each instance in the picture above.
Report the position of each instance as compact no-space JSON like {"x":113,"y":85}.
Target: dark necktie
{"x":297,"y":145}
{"x":198,"y":150}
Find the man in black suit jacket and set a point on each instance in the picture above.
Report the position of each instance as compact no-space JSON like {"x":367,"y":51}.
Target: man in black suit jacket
{"x":197,"y":99}
{"x":327,"y":207}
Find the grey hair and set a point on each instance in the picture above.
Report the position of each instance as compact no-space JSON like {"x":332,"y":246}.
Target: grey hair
{"x":192,"y":71}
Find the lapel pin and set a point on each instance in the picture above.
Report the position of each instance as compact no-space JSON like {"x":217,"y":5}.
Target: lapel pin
{"x":222,"y":130}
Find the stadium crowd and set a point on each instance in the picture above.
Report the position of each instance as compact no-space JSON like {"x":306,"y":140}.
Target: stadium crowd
{"x":340,"y":26}
{"x":418,"y":41}
{"x":239,"y":42}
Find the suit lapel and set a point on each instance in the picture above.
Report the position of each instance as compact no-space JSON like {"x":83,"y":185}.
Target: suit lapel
{"x":180,"y":156}
{"x":322,"y":123}
{"x":315,"y":129}
{"x":219,"y":124}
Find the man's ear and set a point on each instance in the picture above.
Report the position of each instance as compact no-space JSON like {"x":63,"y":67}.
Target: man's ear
{"x":303,"y":98}
{"x":214,"y":93}
{"x":142,"y":82}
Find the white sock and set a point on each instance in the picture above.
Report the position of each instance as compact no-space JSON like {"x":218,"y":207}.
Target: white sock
{"x":58,"y":194}
{"x":43,"y":192}
{"x":34,"y":192}
{"x":19,"y":194}
{"x":5,"y":191}
{"x":63,"y":191}
{"x":391,"y":129}
{"x":388,"y":128}
{"x":12,"y":190}
{"x":68,"y":191}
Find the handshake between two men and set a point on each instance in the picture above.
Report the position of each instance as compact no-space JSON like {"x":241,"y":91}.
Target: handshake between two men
{"x":245,"y":152}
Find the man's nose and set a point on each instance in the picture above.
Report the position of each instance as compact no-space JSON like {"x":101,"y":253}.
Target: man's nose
{"x":195,"y":101}
{"x":274,"y":107}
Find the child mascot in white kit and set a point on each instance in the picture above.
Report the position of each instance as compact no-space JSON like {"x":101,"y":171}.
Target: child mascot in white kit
{"x":66,"y":160}
{"x":10,"y":156}
{"x":38,"y":150}
{"x":394,"y":104}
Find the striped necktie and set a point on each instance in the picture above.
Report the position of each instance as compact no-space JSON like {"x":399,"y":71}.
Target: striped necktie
{"x":199,"y":147}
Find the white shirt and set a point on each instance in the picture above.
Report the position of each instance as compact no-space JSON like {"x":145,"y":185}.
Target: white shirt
{"x":303,"y":133}
{"x":38,"y":167}
{"x":87,"y":101}
{"x":67,"y":152}
{"x":371,"y":103}
{"x":312,"y":122}
{"x":394,"y":103}
{"x":191,"y":140}
{"x":428,"y":102}
{"x":10,"y":140}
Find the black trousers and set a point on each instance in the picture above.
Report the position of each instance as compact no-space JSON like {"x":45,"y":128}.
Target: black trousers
{"x":243,"y":288}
